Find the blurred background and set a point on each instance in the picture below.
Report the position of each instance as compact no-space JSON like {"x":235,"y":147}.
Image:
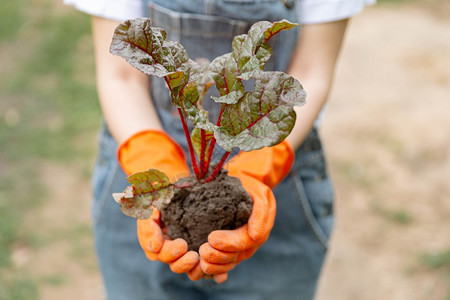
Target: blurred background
{"x":387,"y":136}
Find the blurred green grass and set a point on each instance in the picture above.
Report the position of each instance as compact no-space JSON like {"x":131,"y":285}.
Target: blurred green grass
{"x":48,"y":112}
{"x":438,"y":260}
{"x":11,"y":13}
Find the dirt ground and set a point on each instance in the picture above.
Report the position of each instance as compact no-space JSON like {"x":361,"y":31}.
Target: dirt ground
{"x":387,"y":138}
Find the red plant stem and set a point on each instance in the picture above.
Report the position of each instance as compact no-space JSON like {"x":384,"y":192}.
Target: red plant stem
{"x":187,"y":135}
{"x":203,"y":168}
{"x":212,"y":144}
{"x":222,"y":109}
{"x":218,"y":167}
{"x":191,"y":148}
{"x":167,"y":82}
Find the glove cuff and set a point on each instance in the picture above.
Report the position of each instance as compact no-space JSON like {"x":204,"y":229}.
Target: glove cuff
{"x":269,"y":165}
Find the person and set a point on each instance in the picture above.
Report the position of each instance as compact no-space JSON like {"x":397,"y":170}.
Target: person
{"x":284,"y":258}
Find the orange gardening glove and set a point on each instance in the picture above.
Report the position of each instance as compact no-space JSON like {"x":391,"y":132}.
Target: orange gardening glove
{"x":152,"y":149}
{"x":160,"y":247}
{"x":259,"y":171}
{"x":156,"y":150}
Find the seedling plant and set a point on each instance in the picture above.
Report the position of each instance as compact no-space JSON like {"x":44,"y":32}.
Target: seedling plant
{"x":249,"y":120}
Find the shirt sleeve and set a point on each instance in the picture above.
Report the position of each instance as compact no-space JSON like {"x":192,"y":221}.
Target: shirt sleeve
{"x":118,"y":10}
{"x":322,"y":11}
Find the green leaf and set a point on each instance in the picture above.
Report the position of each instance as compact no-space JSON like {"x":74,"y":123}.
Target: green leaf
{"x":189,"y":95}
{"x":149,"y":189}
{"x":276,"y":27}
{"x":144,"y":47}
{"x":204,"y":82}
{"x":230,"y":98}
{"x":185,"y":88}
{"x":249,"y":53}
{"x":263,"y":117}
{"x":217,"y":72}
{"x":198,"y":117}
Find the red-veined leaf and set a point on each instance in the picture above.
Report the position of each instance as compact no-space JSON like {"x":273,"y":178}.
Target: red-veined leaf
{"x":146,"y":48}
{"x":149,"y":189}
{"x":249,"y":53}
{"x":263,"y":117}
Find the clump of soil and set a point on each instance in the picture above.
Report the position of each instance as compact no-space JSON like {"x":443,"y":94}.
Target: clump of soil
{"x":197,"y":210}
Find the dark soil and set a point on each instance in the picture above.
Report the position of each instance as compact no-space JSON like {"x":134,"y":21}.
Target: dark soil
{"x":196,"y":211}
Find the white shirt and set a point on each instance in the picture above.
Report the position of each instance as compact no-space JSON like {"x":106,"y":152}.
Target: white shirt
{"x":309,"y":11}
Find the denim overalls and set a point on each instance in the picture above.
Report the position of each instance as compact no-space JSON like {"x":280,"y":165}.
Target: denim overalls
{"x":287,"y":266}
